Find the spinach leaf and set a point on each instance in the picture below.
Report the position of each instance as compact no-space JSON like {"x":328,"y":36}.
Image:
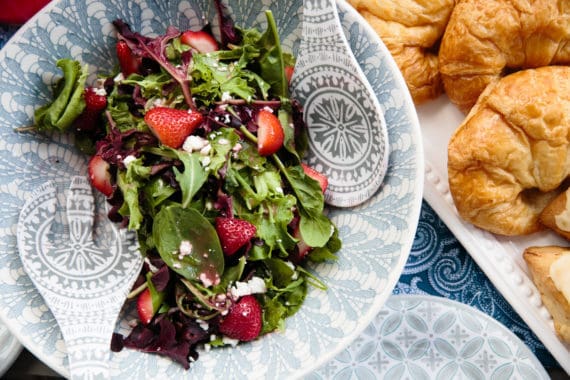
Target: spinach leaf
{"x":173,"y":225}
{"x":314,"y":226}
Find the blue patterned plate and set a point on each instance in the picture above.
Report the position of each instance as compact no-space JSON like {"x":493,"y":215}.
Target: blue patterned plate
{"x":427,"y":337}
{"x":377,"y":235}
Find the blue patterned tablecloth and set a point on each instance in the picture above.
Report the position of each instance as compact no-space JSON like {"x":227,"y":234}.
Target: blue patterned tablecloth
{"x":439,"y":265}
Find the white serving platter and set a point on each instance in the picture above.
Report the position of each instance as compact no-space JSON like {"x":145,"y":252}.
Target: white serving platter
{"x":498,"y":256}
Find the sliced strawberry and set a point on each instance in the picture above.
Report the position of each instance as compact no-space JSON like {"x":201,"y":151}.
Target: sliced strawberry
{"x":145,"y":307}
{"x":172,"y":126}
{"x":127,"y":60}
{"x":94,"y":101}
{"x":95,"y":104}
{"x":234,"y":233}
{"x":317,"y":176}
{"x":99,"y":175}
{"x":289,"y":73}
{"x":199,"y":40}
{"x":269,"y":133}
{"x":243,"y":321}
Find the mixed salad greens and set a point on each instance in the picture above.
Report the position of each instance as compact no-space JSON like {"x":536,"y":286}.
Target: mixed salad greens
{"x":197,"y":146}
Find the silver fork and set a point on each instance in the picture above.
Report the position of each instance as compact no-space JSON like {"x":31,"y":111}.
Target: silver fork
{"x":84,"y":283}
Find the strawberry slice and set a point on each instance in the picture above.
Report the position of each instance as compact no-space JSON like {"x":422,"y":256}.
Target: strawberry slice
{"x":234,"y":233}
{"x":99,"y":175}
{"x":127,"y":60}
{"x":317,"y":176}
{"x":269,"y":133}
{"x":95,"y":104}
{"x":199,"y":40}
{"x":172,"y":126}
{"x":243,"y":321}
{"x":289,"y":72}
{"x":94,"y":101}
{"x":146,"y":306}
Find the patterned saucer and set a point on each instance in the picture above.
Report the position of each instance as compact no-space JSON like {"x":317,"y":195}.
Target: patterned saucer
{"x":427,"y":337}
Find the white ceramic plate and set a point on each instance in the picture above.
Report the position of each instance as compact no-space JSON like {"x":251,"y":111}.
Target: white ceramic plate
{"x":377,"y":235}
{"x":499,"y":257}
{"x":10,"y":348}
{"x":426,"y":337}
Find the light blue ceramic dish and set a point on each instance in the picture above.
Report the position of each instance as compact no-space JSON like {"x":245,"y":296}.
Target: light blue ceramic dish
{"x":377,"y":235}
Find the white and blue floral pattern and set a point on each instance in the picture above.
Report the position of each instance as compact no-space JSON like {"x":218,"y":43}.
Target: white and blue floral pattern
{"x":377,"y":235}
{"x":427,"y":337}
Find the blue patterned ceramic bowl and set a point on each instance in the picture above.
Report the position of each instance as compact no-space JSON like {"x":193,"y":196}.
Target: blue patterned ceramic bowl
{"x":377,"y":235}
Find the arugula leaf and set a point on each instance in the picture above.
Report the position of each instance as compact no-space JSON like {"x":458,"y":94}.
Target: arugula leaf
{"x":157,"y":191}
{"x":193,"y":176}
{"x":68,"y":103}
{"x":222,"y":142}
{"x":213,"y":78}
{"x":174,"y":224}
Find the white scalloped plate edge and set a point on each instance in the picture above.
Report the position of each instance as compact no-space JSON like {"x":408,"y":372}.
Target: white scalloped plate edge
{"x":500,"y":258}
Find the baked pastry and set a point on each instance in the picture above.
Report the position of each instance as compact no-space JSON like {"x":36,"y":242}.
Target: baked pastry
{"x":485,"y":39}
{"x":509,"y":157}
{"x":549,"y":267}
{"x":556,"y":215}
{"x":411,"y":30}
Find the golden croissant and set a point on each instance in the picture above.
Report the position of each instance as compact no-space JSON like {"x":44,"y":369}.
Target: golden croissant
{"x":509,"y":157}
{"x":486,"y":39}
{"x":411,"y":30}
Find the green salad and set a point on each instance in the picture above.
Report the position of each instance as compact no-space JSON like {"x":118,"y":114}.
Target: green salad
{"x":198,"y":148}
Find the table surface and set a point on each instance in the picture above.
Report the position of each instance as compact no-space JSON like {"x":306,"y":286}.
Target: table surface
{"x":438,"y":265}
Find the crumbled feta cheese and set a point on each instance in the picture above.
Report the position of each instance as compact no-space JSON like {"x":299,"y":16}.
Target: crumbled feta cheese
{"x":100,"y":91}
{"x":127,"y":160}
{"x":223,"y":141}
{"x":230,"y":341}
{"x":268,"y":109}
{"x":253,"y":286}
{"x":160,"y":102}
{"x":208,"y":281}
{"x":194,"y":143}
{"x":206,"y":161}
{"x":185,"y":248}
{"x":206,"y":150}
{"x":118,"y":78}
{"x":226,"y":96}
